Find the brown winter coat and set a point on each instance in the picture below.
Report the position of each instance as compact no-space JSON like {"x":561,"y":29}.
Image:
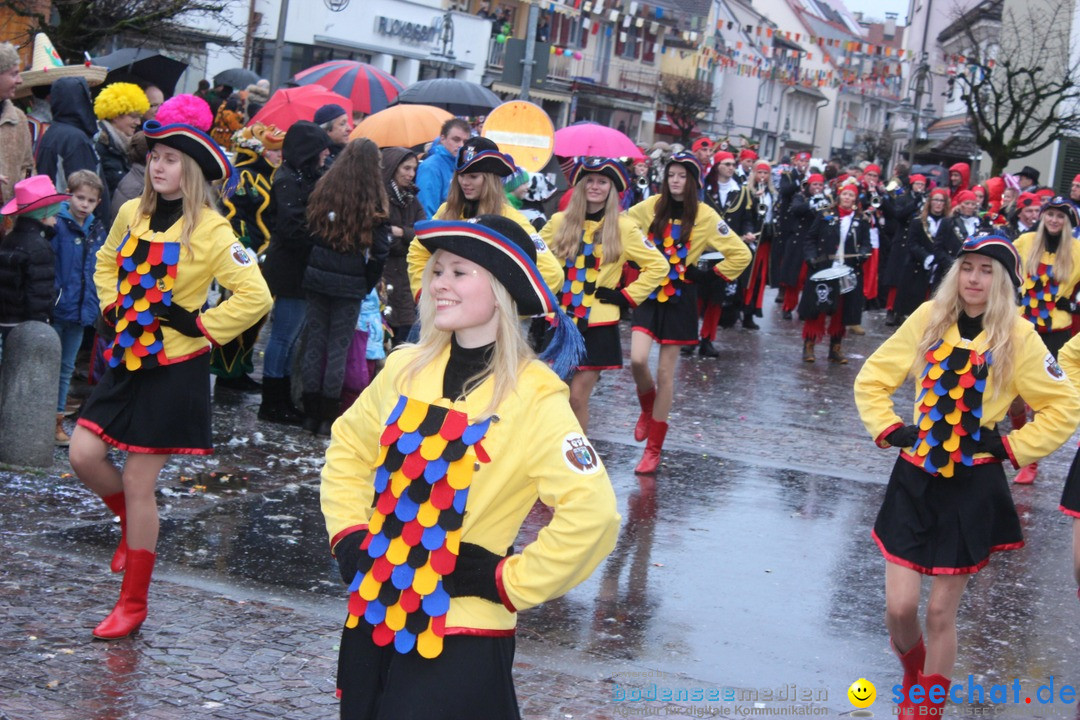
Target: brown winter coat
{"x":16,"y":149}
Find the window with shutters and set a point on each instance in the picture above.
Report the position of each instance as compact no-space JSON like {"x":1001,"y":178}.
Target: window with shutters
{"x":648,"y":48}
{"x":1069,"y":166}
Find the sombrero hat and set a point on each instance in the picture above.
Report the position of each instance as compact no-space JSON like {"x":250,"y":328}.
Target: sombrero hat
{"x":47,"y":67}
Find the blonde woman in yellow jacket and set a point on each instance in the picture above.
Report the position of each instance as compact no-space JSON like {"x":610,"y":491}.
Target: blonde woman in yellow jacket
{"x":152,"y":277}
{"x":1069,"y":357}
{"x":947,"y":506}
{"x":1051,"y":259}
{"x":477,"y":189}
{"x":594,"y":242}
{"x":430,"y":474}
{"x":669,"y":315}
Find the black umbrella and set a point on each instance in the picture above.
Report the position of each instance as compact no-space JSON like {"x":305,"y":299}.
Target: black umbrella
{"x":456,"y":96}
{"x":236,"y":78}
{"x":141,"y":64}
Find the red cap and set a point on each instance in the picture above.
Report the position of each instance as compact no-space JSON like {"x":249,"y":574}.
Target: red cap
{"x":917,"y":178}
{"x":802,"y":156}
{"x":1028,"y":200}
{"x":943,"y":191}
{"x":816,"y":177}
{"x":701,"y":144}
{"x":747,"y":153}
{"x":722,"y":155}
{"x":964,"y":196}
{"x":872,"y":168}
{"x":1076,"y":179}
{"x":762,"y":165}
{"x":1044,"y":192}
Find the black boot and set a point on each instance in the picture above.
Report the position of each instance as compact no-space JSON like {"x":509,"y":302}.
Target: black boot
{"x":706,"y":349}
{"x":312,"y":412}
{"x":277,"y":402}
{"x":330,"y":406}
{"x":890,"y":318}
{"x":748,"y":321}
{"x":687,"y":350}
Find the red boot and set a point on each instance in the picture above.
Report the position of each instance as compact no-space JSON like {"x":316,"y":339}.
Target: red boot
{"x":651,"y":459}
{"x":130,"y":610}
{"x":641,"y":430}
{"x":912,"y":661}
{"x":1027,"y":474}
{"x":929,"y":708}
{"x":116,"y":504}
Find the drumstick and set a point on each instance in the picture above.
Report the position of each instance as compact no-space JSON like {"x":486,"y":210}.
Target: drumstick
{"x":844,"y":257}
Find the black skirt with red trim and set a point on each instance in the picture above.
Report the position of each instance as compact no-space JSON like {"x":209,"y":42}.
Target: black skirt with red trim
{"x":603,"y":348}
{"x":946,"y":526}
{"x":162,"y":410}
{"x":471,"y":678}
{"x":672,"y":322}
{"x":1070,"y":496}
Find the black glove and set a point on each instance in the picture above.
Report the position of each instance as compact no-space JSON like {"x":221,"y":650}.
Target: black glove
{"x":611,"y":296}
{"x":350,"y":558}
{"x":696,"y":275}
{"x":110,"y":315}
{"x":474,"y":574}
{"x":990,"y":442}
{"x":179,"y":319}
{"x":1067,"y":304}
{"x":903,"y":437}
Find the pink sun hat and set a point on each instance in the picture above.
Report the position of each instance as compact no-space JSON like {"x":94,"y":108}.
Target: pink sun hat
{"x":33,"y":193}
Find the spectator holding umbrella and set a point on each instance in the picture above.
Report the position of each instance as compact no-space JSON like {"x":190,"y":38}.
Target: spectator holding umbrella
{"x":119,"y":109}
{"x":335,"y":121}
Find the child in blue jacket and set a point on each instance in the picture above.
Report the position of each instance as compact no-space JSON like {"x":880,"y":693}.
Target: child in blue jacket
{"x":79,"y":235}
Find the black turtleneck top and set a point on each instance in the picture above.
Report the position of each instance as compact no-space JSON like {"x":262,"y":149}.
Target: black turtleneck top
{"x":166,"y":213}
{"x":463,"y":364}
{"x":596,"y":216}
{"x":969,"y":327}
{"x":1053,"y":241}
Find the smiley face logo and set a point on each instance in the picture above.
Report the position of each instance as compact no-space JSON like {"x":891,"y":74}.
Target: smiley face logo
{"x":862,"y":693}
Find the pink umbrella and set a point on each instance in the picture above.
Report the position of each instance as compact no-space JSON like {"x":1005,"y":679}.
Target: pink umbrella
{"x":592,"y":140}
{"x":288,"y":105}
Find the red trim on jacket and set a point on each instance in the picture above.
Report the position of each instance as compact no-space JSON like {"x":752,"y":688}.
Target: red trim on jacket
{"x":502,"y":590}
{"x":347,"y":531}
{"x":97,"y":430}
{"x":206,"y":334}
{"x":1008,"y":449}
{"x":479,"y":632}
{"x":880,"y":440}
{"x":721,"y":275}
{"x":628,"y":298}
{"x":970,"y":570}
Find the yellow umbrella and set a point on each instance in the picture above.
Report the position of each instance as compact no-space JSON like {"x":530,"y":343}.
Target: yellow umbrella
{"x":402,"y":125}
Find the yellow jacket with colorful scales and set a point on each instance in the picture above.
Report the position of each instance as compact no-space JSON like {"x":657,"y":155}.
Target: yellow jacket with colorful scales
{"x":528,"y":449}
{"x":1036,"y":377}
{"x":216,"y":253}
{"x":1069,"y":359}
{"x":546,"y":263}
{"x":1058,"y":319}
{"x":635,"y":247}
{"x":706,"y":235}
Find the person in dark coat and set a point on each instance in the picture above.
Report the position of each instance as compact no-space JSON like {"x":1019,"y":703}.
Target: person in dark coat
{"x":304,"y":150}
{"x":399,"y":171}
{"x":69,"y":144}
{"x":347,"y":215}
{"x":921,"y":269}
{"x":119,"y":108}
{"x":27,"y":262}
{"x":900,"y":212}
{"x":798,"y":214}
{"x":336,"y":122}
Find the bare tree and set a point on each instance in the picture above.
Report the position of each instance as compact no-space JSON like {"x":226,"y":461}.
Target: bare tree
{"x":78,"y":26}
{"x":1024,"y":96}
{"x":874,"y":145}
{"x":688,"y":100}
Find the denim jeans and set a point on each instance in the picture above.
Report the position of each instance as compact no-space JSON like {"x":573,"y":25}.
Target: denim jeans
{"x":71,"y":336}
{"x":286,"y":320}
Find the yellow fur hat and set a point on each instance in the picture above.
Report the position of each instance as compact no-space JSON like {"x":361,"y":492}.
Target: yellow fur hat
{"x":120,"y":99}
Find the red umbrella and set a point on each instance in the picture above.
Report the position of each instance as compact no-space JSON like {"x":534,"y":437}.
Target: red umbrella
{"x":592,"y":140}
{"x":288,"y":105}
{"x":369,"y":88}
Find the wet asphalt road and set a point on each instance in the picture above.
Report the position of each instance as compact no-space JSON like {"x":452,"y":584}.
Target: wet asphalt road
{"x":748,"y":563}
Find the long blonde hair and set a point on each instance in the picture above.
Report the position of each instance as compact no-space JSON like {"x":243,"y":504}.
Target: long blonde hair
{"x":511,"y":354}
{"x":1063,"y":258}
{"x":567,"y":241}
{"x":491,"y":200}
{"x":999,"y":321}
{"x":197,"y":195}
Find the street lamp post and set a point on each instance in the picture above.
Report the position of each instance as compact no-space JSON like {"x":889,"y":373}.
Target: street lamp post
{"x":729,"y":119}
{"x":785,"y":135}
{"x":920,"y":80}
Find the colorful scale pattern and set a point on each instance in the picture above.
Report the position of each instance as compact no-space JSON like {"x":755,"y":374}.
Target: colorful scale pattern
{"x":950,"y":407}
{"x":1038,"y":296}
{"x":675,"y":251}
{"x":147,"y":272}
{"x":580,"y":284}
{"x":426,"y":462}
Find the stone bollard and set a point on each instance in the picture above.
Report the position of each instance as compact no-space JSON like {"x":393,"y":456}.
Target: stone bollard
{"x":29,"y":379}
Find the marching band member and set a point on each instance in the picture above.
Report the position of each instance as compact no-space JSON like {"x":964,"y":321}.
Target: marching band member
{"x":920,"y":274}
{"x":721,"y":302}
{"x":683,"y":229}
{"x":765,"y":196}
{"x":901,"y":214}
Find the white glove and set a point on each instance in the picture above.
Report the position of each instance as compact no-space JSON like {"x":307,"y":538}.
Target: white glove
{"x":928,"y":262}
